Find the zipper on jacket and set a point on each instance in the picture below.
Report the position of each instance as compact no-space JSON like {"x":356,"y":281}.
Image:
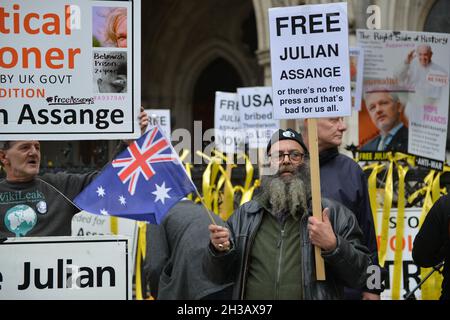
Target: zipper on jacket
{"x":280,"y":256}
{"x":303,"y":253}
{"x":251,"y":240}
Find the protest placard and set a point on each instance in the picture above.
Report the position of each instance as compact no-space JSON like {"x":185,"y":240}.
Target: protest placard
{"x":356,"y":76}
{"x":310,"y":61}
{"x":160,"y":117}
{"x":256,"y":114}
{"x":69,"y":70}
{"x":228,"y":135}
{"x":408,"y":70}
{"x":65,"y":268}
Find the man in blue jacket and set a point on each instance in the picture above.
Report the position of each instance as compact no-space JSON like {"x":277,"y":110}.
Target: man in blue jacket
{"x":342,"y":179}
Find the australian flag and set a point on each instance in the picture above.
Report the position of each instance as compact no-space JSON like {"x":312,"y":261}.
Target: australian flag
{"x":142,"y":183}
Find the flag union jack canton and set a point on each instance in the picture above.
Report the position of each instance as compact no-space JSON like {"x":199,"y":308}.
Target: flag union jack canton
{"x":142,"y":183}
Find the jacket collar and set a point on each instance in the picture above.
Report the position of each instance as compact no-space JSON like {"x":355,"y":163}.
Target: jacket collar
{"x":328,"y":155}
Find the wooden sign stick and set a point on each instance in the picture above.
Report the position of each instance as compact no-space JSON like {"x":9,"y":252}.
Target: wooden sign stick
{"x":315,"y":189}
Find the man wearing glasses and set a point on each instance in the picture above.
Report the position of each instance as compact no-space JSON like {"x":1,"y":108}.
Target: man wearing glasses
{"x":267,"y":248}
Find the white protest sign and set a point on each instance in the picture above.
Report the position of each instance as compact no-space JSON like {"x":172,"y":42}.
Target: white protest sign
{"x":228,"y":136}
{"x":310,"y":61}
{"x":62,"y":78}
{"x":160,"y":117}
{"x":356,"y":76}
{"x":87,"y":224}
{"x":65,"y":268}
{"x":410,"y":275}
{"x":256,"y":112}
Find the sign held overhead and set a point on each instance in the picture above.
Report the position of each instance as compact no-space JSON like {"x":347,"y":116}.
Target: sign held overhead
{"x":310,"y":61}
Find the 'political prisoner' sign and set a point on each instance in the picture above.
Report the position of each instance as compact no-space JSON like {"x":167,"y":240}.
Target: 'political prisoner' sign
{"x":228,"y":136}
{"x":256,"y":112}
{"x":310,"y":61}
{"x":61,"y":268}
{"x":69,"y":69}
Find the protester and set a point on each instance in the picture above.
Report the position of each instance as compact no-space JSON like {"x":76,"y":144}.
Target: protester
{"x":33,"y":205}
{"x":267,"y":247}
{"x":343,"y":180}
{"x":174,"y":255}
{"x":385,"y":111}
{"x":432,"y":243}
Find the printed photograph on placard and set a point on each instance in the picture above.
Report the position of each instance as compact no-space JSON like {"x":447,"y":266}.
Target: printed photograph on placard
{"x":110,"y":72}
{"x":109,"y":27}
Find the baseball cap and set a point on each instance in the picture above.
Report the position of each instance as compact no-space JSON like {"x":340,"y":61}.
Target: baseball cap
{"x":288,"y":134}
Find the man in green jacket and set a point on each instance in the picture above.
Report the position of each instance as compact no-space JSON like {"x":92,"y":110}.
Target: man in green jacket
{"x":267,"y":248}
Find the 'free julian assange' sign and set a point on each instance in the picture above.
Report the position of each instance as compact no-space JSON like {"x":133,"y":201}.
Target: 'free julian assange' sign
{"x":310,"y":61}
{"x":69,"y":69}
{"x":65,"y":268}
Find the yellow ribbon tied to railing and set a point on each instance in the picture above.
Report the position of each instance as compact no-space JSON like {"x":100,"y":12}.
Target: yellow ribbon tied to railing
{"x":140,"y":256}
{"x":399,"y":233}
{"x":388,"y":195}
{"x":372,"y":185}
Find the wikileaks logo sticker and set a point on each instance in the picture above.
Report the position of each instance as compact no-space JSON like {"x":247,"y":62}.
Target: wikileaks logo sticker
{"x":20,"y":219}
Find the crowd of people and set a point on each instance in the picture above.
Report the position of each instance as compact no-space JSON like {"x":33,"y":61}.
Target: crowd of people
{"x":265,"y":250}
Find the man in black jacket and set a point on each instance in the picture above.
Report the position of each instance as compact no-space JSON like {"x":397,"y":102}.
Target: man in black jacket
{"x":432,"y":243}
{"x":267,"y":248}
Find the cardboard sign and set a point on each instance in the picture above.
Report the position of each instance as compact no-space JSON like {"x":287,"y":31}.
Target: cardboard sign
{"x":65,"y":268}
{"x":310,"y":61}
{"x":228,"y":135}
{"x":256,"y":113}
{"x":67,"y":72}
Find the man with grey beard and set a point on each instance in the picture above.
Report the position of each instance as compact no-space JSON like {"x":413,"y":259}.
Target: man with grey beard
{"x":267,"y":248}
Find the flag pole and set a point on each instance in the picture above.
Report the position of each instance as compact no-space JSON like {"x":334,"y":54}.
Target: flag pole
{"x":206,"y":208}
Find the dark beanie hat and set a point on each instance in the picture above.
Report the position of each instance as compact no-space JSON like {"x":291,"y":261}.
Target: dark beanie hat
{"x":288,"y":134}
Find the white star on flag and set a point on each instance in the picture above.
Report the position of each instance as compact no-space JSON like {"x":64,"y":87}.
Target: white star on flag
{"x":104,"y":212}
{"x":100,"y":191}
{"x":122,"y":200}
{"x":161,"y":192}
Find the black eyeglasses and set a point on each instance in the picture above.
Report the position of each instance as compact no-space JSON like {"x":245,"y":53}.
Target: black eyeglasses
{"x":294,"y":156}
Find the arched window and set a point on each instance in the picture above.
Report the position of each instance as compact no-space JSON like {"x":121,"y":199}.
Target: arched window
{"x":219,"y":75}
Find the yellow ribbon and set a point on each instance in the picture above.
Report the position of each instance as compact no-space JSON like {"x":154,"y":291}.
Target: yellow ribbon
{"x":140,"y":255}
{"x":398,"y":256}
{"x":248,"y":194}
{"x":249,"y":170}
{"x":372,"y":185}
{"x":228,"y":194}
{"x":388,"y":191}
{"x":114,"y":224}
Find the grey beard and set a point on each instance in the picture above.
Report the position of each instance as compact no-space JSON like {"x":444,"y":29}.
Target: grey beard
{"x":288,"y":195}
